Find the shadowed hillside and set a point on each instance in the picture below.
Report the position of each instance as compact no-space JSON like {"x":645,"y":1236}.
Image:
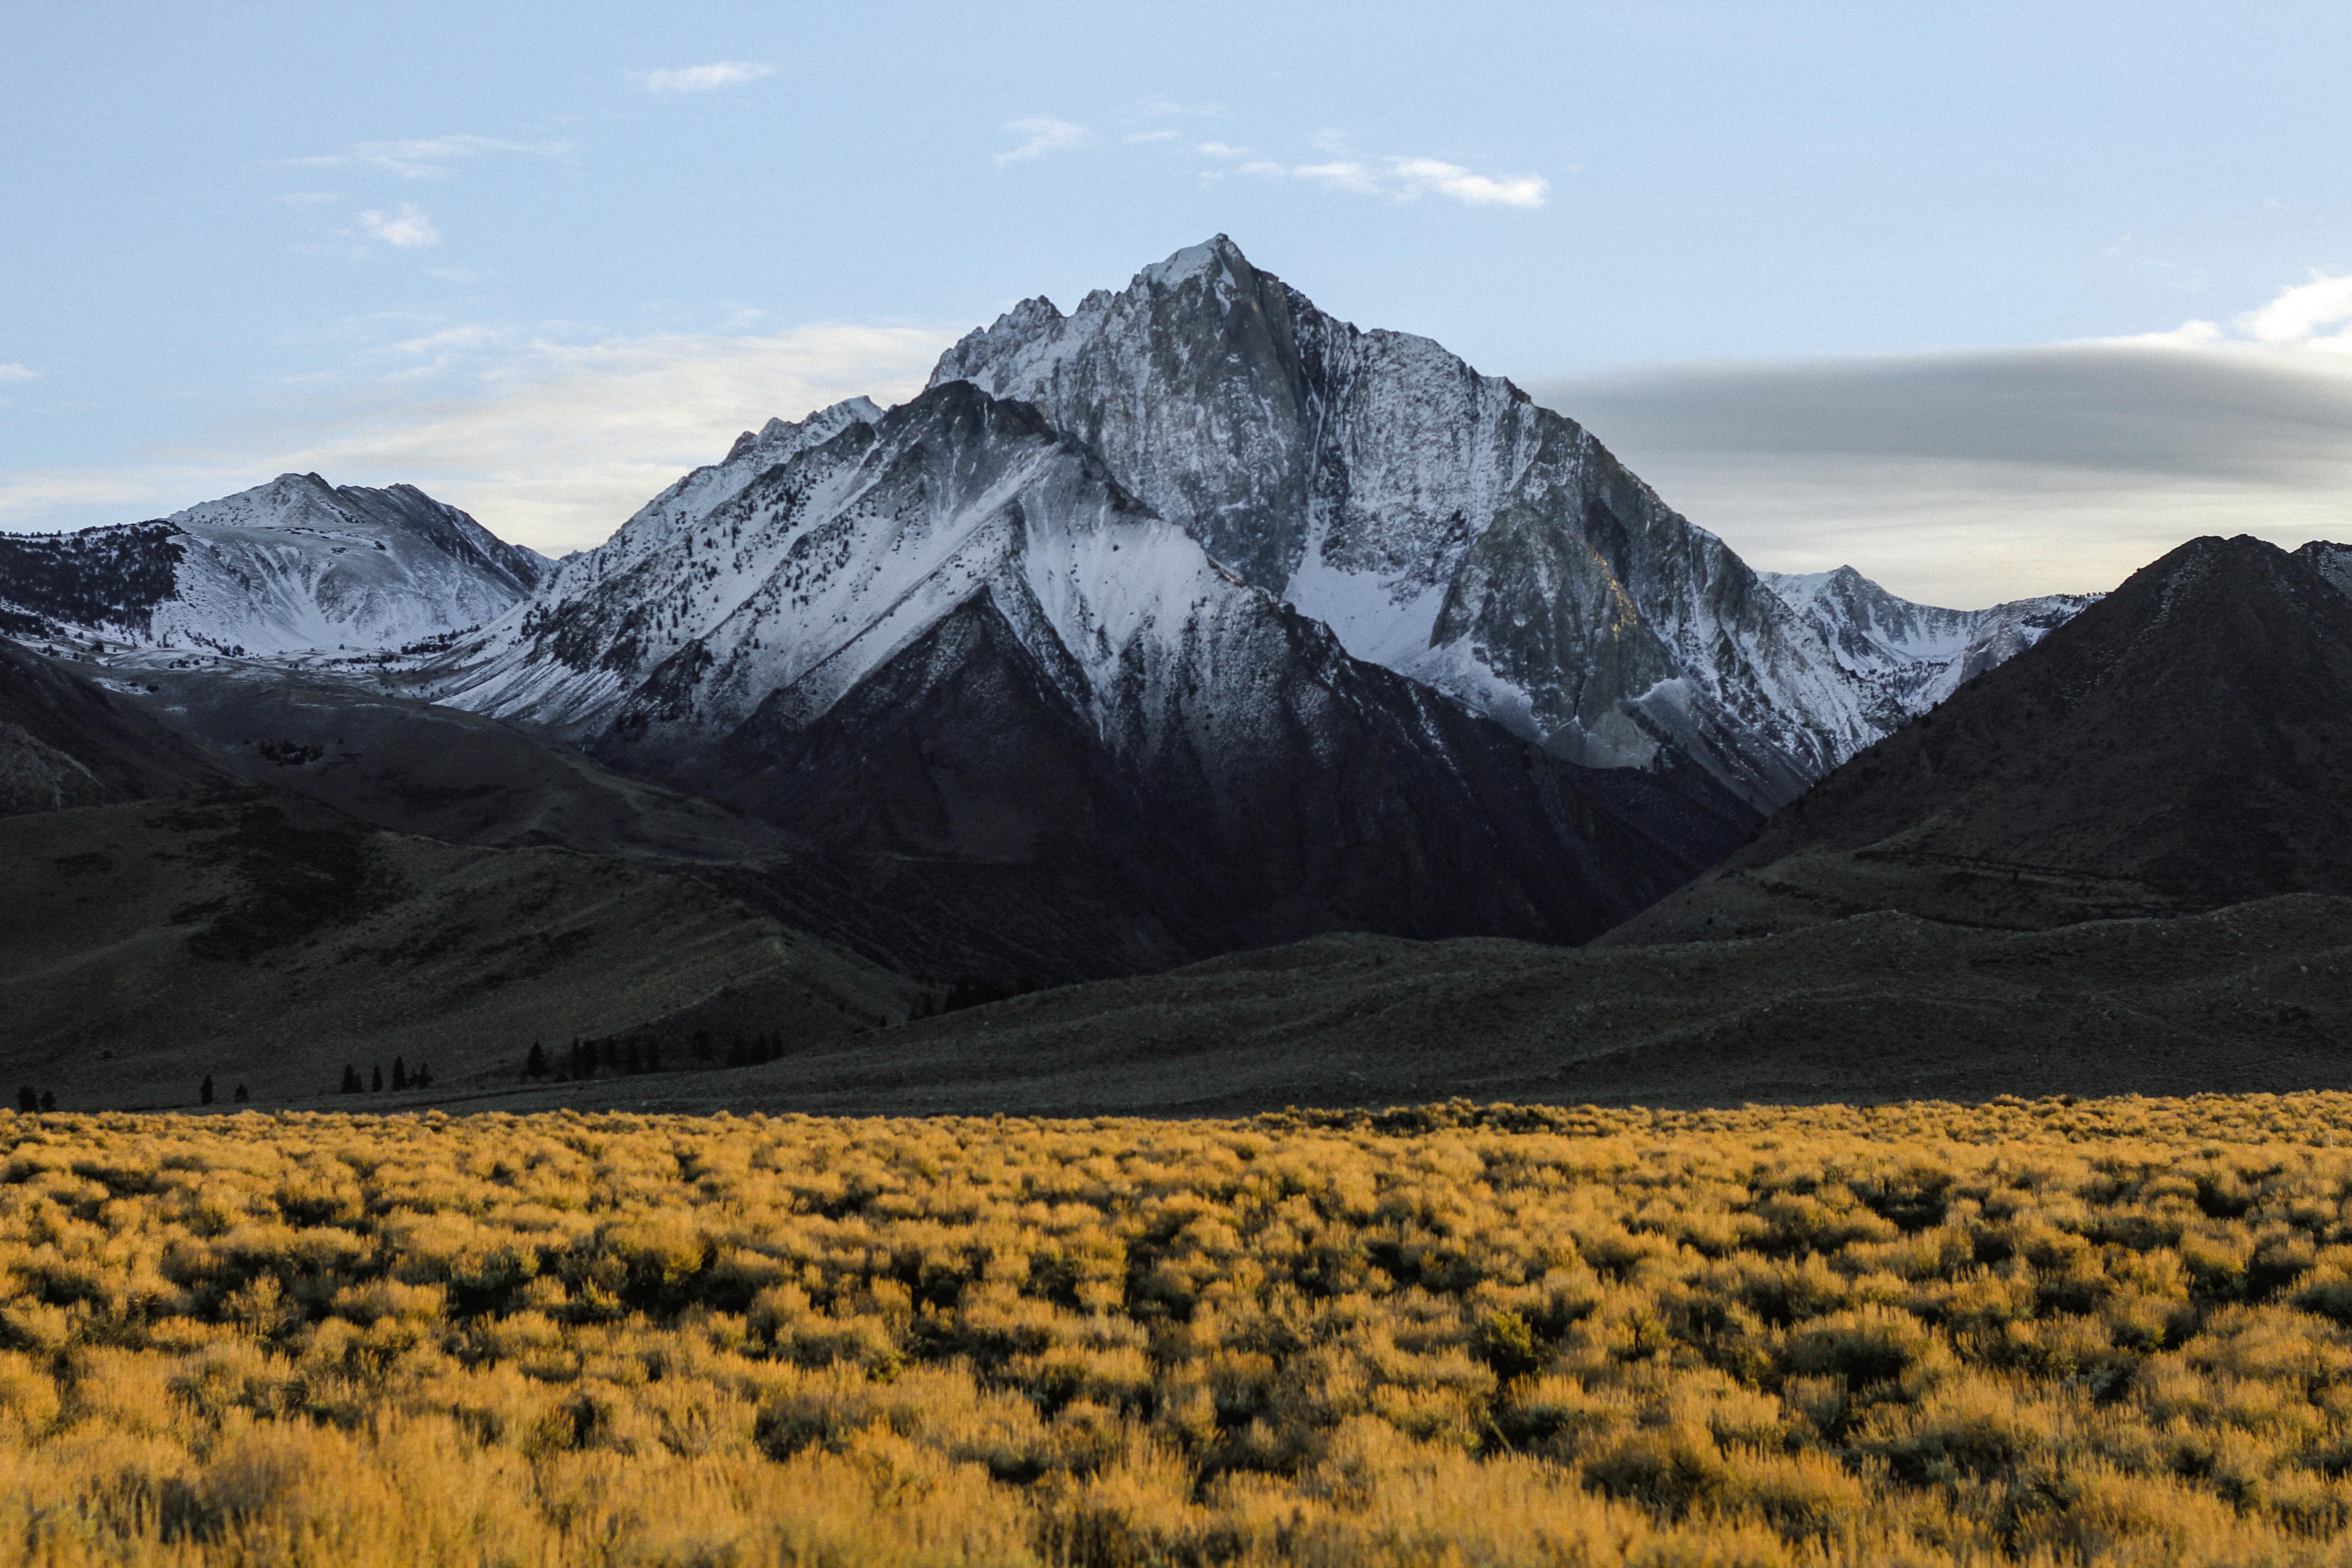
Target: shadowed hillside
{"x":1878,"y":1007}
{"x":2183,"y":744}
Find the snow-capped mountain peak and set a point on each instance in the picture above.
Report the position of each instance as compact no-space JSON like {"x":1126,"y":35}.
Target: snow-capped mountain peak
{"x":290,"y":567}
{"x":1447,"y":527}
{"x":1443,"y":523}
{"x":1915,"y":656}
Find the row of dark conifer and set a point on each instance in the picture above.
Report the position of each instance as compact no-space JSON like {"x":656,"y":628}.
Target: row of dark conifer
{"x":402,"y":1078}
{"x":586,"y":1058}
{"x":29,"y":1099}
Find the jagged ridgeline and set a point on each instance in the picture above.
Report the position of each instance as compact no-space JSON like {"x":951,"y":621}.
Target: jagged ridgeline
{"x":2181,"y":746}
{"x":948,"y":634}
{"x":1449,"y":527}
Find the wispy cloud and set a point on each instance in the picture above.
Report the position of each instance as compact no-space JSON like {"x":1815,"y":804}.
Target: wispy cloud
{"x":2296,"y":316}
{"x":1042,"y":137}
{"x":408,"y":228}
{"x":1220,"y":150}
{"x":702,"y":79}
{"x":1453,"y":181}
{"x":18,"y":373}
{"x":1409,"y":179}
{"x":428,"y":157}
{"x":550,"y":444}
{"x":1343,"y":175}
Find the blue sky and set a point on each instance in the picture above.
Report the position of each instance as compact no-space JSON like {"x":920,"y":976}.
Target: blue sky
{"x":539,"y":258}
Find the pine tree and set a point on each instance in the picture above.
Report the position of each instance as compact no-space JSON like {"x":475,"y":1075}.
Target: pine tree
{"x":424,"y":1077}
{"x":375,"y":1081}
{"x":653,"y":1056}
{"x":29,"y":1099}
{"x":48,"y":1099}
{"x":204,"y":1091}
{"x":351,"y":1084}
{"x":399,"y":1073}
{"x":632,"y":1060}
{"x":241,"y":1097}
{"x":535,"y":1064}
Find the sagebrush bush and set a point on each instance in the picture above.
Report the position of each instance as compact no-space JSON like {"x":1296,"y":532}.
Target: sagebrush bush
{"x":2119,"y":1331}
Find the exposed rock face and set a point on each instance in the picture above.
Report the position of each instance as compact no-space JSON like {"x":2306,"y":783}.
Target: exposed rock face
{"x":2181,"y":745}
{"x":1443,"y":524}
{"x":290,"y":567}
{"x":948,"y":633}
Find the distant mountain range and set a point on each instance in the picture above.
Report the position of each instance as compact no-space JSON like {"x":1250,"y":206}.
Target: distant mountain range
{"x":1192,"y":621}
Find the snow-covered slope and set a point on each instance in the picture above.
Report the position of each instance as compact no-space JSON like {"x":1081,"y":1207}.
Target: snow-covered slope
{"x":1441,"y":522}
{"x":1912,"y":657}
{"x":946,"y":630}
{"x":293,"y":565}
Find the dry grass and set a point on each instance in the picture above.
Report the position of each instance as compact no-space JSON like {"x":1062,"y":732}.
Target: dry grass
{"x":1920,"y":1334}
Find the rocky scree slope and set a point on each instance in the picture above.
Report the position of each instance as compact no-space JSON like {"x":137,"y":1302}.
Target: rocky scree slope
{"x":290,"y":567}
{"x":2178,"y":746}
{"x":947,"y":636}
{"x":1447,"y":527}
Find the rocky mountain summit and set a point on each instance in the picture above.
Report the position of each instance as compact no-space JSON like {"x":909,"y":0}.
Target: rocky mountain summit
{"x":1445,"y":526}
{"x":291,"y":566}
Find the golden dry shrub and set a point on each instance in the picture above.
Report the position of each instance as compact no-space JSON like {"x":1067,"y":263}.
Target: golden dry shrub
{"x":2114,"y":1332}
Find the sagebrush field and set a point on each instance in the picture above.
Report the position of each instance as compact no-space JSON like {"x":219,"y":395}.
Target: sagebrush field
{"x":1921,"y":1334}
